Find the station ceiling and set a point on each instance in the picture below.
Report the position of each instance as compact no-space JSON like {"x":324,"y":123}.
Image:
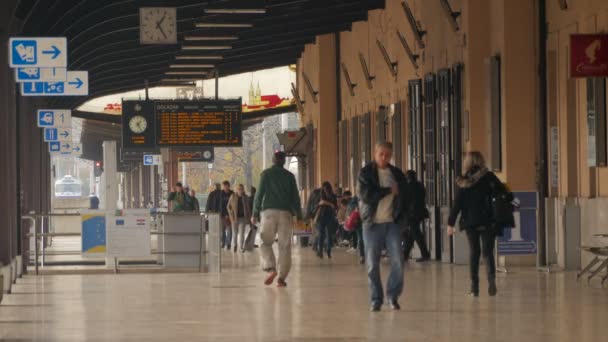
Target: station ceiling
{"x":103,"y":37}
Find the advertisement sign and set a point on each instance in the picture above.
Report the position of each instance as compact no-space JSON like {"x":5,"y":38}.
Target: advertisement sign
{"x":521,"y":240}
{"x":589,"y":55}
{"x":93,"y":225}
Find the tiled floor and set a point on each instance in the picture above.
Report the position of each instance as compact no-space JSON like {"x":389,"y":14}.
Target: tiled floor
{"x":325,"y":301}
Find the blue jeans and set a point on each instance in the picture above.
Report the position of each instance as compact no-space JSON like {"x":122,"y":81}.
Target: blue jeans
{"x":325,"y":229}
{"x":376,"y":237}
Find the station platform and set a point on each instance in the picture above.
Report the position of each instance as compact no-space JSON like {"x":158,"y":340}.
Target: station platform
{"x":324,"y":301}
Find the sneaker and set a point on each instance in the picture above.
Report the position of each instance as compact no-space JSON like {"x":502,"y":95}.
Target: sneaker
{"x":362,"y":260}
{"x":375,"y":307}
{"x":270,"y":278}
{"x":474,"y":294}
{"x":394,"y":304}
{"x":281,"y":283}
{"x":320,"y":255}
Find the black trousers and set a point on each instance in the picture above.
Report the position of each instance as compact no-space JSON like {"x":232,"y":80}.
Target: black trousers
{"x":481,"y":241}
{"x":413,"y":234}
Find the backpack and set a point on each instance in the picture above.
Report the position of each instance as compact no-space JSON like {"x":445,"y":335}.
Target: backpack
{"x":502,"y":210}
{"x":352,"y":222}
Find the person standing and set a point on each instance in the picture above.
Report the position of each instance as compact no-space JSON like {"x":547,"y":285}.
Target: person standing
{"x":196,"y":207}
{"x":239,"y":210}
{"x":416,"y":214}
{"x":381,"y":191}
{"x":225,"y":223}
{"x":213,"y":201}
{"x":178,"y":198}
{"x":473,"y":201}
{"x":325,"y":219}
{"x":276,"y":202}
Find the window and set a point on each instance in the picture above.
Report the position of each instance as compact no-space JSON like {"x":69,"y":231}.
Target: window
{"x":495,"y":138}
{"x":354,"y":151}
{"x":366,"y":144}
{"x":596,"y":122}
{"x":344,"y":154}
{"x":457,"y":124}
{"x":444,"y":142}
{"x":415,"y":128}
{"x":396,"y":133}
{"x":429,"y":139}
{"x":381,"y":123}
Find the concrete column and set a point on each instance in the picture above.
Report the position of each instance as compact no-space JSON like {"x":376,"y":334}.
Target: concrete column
{"x":109,"y":181}
{"x":327,"y":124}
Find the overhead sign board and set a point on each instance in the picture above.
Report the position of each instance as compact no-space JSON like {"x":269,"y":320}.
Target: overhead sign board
{"x":76,"y":84}
{"x":589,"y":55}
{"x":138,"y":126}
{"x":34,"y":74}
{"x":202,"y":154}
{"x":152,"y":159}
{"x":198,"y":123}
{"x":54,"y":118}
{"x":38,"y":52}
{"x":57,"y":134}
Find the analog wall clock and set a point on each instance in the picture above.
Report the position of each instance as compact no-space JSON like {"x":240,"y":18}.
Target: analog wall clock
{"x":158,"y":25}
{"x":138,"y":124}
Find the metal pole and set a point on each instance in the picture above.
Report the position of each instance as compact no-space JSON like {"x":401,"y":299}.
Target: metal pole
{"x":217,"y":84}
{"x":200,"y":256}
{"x":146,"y":85}
{"x":42,"y":240}
{"x":36,"y":249}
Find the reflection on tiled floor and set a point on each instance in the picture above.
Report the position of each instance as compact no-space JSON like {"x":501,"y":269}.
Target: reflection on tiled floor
{"x":325,"y":301}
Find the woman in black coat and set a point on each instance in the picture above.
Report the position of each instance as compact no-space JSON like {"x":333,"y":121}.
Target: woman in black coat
{"x":473,"y":201}
{"x":325,"y":219}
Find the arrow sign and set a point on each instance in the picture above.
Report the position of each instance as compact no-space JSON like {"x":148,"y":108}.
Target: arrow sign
{"x":38,"y":52}
{"x":77,"y":149}
{"x":64,"y":134}
{"x":78,"y":83}
{"x":66,"y":146}
{"x":54,"y":51}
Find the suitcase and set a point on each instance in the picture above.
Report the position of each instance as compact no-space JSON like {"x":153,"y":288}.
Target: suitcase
{"x":250,"y":238}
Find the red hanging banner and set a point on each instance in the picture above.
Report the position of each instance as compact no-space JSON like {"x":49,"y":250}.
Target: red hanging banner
{"x":589,"y":55}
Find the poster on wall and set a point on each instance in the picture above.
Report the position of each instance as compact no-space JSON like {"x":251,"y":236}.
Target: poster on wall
{"x":128,"y":235}
{"x":93,"y":230}
{"x":521,"y":240}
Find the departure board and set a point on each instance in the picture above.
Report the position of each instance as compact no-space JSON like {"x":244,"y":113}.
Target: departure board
{"x":198,"y":123}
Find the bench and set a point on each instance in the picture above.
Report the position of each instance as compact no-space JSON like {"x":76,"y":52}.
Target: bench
{"x":600,"y":256}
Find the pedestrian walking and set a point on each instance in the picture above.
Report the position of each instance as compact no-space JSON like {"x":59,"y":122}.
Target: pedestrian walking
{"x":381,"y":189}
{"x":276,"y":202}
{"x":476,"y":189}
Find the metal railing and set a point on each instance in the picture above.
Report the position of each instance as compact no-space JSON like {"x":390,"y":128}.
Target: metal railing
{"x":39,"y":235}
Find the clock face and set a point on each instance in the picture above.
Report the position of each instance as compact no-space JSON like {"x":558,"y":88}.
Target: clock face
{"x":207,"y":154}
{"x":138,"y":124}
{"x":158,"y":25}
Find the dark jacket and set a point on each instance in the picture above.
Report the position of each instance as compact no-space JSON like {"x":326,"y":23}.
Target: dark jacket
{"x":416,"y":201}
{"x":312,"y":204}
{"x":278,"y":190}
{"x":473,"y":199}
{"x":213,"y":202}
{"x":224,"y":199}
{"x":370,"y":193}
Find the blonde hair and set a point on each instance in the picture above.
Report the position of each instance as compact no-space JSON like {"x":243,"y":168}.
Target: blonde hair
{"x":473,"y":159}
{"x":384,"y":144}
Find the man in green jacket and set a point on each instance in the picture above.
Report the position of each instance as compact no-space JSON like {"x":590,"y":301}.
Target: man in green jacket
{"x":277,"y":201}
